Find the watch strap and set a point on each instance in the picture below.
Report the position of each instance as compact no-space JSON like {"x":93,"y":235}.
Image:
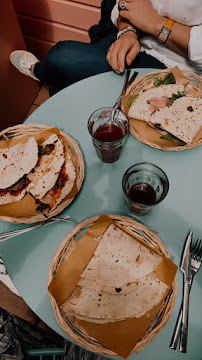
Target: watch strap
{"x":126,"y":29}
{"x":165,"y":31}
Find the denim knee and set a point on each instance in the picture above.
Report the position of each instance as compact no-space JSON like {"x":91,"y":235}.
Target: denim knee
{"x":57,"y":57}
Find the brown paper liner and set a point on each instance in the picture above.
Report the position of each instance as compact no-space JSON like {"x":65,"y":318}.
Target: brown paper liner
{"x":69,"y":262}
{"x":25,"y":209}
{"x":140,"y":129}
{"x":77,"y":261}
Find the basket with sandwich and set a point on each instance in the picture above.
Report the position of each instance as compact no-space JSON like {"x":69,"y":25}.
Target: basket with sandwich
{"x":112,"y":285}
{"x":42,"y":170}
{"x":165,"y":109}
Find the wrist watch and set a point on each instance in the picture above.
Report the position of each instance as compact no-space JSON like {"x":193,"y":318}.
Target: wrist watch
{"x":165,"y":31}
{"x":126,"y":29}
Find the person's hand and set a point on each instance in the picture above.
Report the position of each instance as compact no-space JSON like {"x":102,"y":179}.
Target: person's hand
{"x":142,"y":15}
{"x":125,"y":49}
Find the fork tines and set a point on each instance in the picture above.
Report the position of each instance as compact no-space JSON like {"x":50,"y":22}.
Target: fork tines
{"x":132,"y":78}
{"x":196,"y":250}
{"x":196,"y":260}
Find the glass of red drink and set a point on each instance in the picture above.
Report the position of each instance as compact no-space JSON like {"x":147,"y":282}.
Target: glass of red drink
{"x":108,"y":128}
{"x":144,"y":185}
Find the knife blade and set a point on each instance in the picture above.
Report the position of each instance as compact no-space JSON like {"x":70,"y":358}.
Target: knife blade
{"x":185,"y":265}
{"x":186,"y":269}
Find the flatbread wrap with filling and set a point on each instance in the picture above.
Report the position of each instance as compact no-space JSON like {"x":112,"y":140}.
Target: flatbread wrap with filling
{"x":16,"y":162}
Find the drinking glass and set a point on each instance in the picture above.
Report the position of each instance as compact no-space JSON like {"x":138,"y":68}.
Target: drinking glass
{"x":144,"y":185}
{"x":108,"y":128}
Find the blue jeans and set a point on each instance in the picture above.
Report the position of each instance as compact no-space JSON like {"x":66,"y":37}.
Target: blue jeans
{"x":70,"y":61}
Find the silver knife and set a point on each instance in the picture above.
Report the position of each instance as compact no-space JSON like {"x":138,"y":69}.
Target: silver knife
{"x":186,"y":269}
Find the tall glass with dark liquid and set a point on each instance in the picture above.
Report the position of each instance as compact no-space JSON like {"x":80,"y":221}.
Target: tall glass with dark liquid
{"x":108,"y":128}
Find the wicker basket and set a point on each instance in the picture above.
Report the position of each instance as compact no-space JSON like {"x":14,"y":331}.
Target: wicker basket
{"x":19,"y":131}
{"x":137,"y":128}
{"x":76,"y":332}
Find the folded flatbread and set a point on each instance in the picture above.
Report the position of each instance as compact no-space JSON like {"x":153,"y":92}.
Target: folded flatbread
{"x":63,"y":186}
{"x":148,"y":101}
{"x":183,"y":118}
{"x":125,"y":289}
{"x":119,"y":282}
{"x":119,"y":260}
{"x":48,"y":167}
{"x":11,"y":196}
{"x":45,"y":171}
{"x":103,"y":307}
{"x":16,"y":162}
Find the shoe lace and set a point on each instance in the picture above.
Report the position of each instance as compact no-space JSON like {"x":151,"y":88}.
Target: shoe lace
{"x":24,"y":63}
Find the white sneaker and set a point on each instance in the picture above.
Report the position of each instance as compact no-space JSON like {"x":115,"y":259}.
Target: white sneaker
{"x":23,"y":60}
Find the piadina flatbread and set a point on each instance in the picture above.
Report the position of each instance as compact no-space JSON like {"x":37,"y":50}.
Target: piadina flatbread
{"x":146,"y":102}
{"x":118,"y":283}
{"x":183,"y":118}
{"x":125,"y":289}
{"x":46,"y":172}
{"x":64,"y":184}
{"x":115,"y":307}
{"x":15,"y":163}
{"x":54,"y":176}
{"x":118,"y":250}
{"x":9,"y":196}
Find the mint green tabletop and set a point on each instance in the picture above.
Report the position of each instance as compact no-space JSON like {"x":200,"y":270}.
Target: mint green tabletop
{"x":27,"y":257}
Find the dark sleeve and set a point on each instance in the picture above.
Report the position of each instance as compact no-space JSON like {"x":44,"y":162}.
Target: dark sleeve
{"x":105,"y":25}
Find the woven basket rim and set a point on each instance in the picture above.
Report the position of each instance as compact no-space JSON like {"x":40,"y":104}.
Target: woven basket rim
{"x":134,"y":132}
{"x":85,"y":340}
{"x":22,"y":130}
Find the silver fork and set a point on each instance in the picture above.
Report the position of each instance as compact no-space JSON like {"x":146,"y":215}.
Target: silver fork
{"x":196,"y":259}
{"x":126,"y":84}
{"x":7,"y":235}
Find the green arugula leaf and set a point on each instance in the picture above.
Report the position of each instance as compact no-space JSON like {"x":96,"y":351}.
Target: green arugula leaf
{"x":176,"y":96}
{"x":41,"y":151}
{"x":132,"y":99}
{"x":168,"y":79}
{"x":173,"y":138}
{"x":158,"y":127}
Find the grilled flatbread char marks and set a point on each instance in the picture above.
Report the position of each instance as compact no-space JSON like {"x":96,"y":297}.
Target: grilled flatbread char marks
{"x":45,"y":174}
{"x":63,"y":186}
{"x":102,"y":307}
{"x":119,"y":282}
{"x":118,"y":250}
{"x":15,"y":162}
{"x":183,"y":118}
{"x":150,"y":100}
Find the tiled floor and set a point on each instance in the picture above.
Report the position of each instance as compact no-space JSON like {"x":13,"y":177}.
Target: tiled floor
{"x":9,"y":297}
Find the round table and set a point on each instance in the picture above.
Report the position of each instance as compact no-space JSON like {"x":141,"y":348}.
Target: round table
{"x":27,"y":257}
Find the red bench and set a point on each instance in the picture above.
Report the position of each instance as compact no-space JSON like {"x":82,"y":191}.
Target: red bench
{"x":45,"y":22}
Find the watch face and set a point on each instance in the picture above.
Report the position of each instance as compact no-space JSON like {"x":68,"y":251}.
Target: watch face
{"x":164,"y":33}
